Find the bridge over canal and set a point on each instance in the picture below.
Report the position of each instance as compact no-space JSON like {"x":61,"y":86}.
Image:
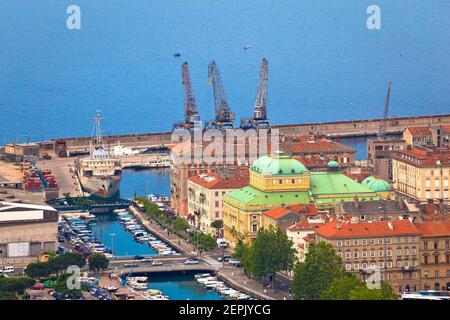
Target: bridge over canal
{"x":93,"y":204}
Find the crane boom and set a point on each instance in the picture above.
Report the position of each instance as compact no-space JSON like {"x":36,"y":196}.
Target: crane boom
{"x":383,"y":126}
{"x":190,"y":106}
{"x":260,"y":111}
{"x":223,"y":114}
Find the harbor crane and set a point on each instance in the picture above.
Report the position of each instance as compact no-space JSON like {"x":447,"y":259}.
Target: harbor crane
{"x":224,"y":117}
{"x":383,"y":126}
{"x":191,"y":115}
{"x":259,"y":119}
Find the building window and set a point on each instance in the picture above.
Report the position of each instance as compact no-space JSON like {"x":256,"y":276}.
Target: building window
{"x":348,"y":266}
{"x":355,"y":254}
{"x":436,"y":273}
{"x":347,"y":243}
{"x":380,"y":253}
{"x":425,"y":245}
{"x":389,"y":253}
{"x":388,"y":240}
{"x":436,"y":245}
{"x":364,"y":254}
{"x":347,"y":255}
{"x":399,"y":263}
{"x":355,"y":242}
{"x":339,"y":243}
{"x":364,"y":242}
{"x":389,"y":264}
{"x":356,"y":266}
{"x":372,"y":253}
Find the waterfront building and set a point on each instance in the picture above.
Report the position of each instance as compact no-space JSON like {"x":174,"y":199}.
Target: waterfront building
{"x":19,"y":151}
{"x":280,"y":180}
{"x":315,"y":151}
{"x":435,"y":255}
{"x":422,"y":173}
{"x":382,"y":250}
{"x":377,"y":210}
{"x":26,"y":232}
{"x":205,"y":192}
{"x":418,"y":136}
{"x":379,"y":155}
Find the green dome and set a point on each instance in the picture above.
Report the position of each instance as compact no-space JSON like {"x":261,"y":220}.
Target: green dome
{"x":377,"y":185}
{"x":333,"y":164}
{"x":278,"y":165}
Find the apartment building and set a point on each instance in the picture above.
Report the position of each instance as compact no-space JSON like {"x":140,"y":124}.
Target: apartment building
{"x":386,"y":250}
{"x":435,"y":255}
{"x":205,"y":192}
{"x":422,"y":173}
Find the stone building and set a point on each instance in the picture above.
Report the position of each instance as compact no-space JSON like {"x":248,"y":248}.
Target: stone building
{"x":435,"y":255}
{"x":385,"y":250}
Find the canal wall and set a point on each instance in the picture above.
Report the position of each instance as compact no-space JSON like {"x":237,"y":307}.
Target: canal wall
{"x":242,"y":287}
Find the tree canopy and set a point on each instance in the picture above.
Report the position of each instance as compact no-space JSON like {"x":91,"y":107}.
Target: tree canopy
{"x":316,"y":273}
{"x":98,"y":262}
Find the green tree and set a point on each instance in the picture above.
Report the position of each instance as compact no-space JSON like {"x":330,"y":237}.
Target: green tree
{"x":180,"y":225}
{"x":61,"y":287}
{"x":38,"y":270}
{"x":16,"y":285}
{"x":316,"y":273}
{"x":341,"y":287}
{"x":270,"y":252}
{"x":98,"y":262}
{"x":242,"y":253}
{"x":365,"y":293}
{"x":206,"y":242}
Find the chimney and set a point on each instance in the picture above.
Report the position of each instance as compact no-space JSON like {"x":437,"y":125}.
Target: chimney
{"x":356,"y":203}
{"x":390,"y":225}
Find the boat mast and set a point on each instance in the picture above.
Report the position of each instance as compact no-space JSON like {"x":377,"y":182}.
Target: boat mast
{"x":97,"y":138}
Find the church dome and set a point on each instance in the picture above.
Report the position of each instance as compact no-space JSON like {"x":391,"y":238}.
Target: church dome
{"x":278,"y":164}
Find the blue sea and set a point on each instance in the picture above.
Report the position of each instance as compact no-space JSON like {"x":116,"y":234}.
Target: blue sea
{"x":324,"y":64}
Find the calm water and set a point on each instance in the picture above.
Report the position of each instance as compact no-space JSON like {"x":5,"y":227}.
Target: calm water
{"x":124,"y":244}
{"x":181,"y":287}
{"x":324,"y":63}
{"x":145,"y":182}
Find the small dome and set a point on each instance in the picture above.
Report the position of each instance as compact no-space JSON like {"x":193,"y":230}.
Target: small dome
{"x":333,"y":164}
{"x":377,"y":185}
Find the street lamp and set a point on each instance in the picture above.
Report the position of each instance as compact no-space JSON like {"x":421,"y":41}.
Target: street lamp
{"x":112,"y":242}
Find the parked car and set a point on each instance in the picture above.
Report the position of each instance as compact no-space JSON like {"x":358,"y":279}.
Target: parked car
{"x":131,"y":265}
{"x":8,"y":269}
{"x":234,"y":262}
{"x":139,"y":257}
{"x":147,"y":259}
{"x":191,"y":261}
{"x":157,"y":263}
{"x":225,"y":258}
{"x":221,"y":243}
{"x":38,"y":286}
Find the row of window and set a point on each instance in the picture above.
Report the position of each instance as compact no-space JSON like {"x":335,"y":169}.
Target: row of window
{"x":364,"y":242}
{"x":405,"y":251}
{"x":381,"y":265}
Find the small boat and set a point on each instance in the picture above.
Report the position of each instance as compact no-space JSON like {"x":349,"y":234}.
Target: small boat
{"x":110,"y":288}
{"x":177,"y":55}
{"x":202,"y":275}
{"x":247,"y":47}
{"x":138,"y":285}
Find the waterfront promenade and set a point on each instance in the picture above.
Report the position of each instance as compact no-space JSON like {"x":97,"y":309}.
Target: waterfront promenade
{"x":234,"y":276}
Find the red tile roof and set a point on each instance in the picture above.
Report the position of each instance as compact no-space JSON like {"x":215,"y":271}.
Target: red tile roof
{"x":419,"y":131}
{"x":421,"y":156}
{"x":212,"y":181}
{"x":304,"y":225}
{"x":434,"y":229}
{"x":367,"y":229}
{"x":276,"y":213}
{"x":308,"y":144}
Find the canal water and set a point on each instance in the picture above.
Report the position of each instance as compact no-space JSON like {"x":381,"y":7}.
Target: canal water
{"x":181,"y":287}
{"x":112,"y":234}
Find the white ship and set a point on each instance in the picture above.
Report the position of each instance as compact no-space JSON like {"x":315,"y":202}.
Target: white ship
{"x":99,"y":173}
